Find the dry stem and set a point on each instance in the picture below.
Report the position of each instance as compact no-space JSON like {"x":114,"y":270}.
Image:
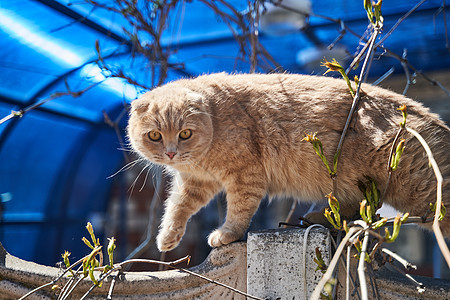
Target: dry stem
{"x":328,"y":274}
{"x":436,"y":229}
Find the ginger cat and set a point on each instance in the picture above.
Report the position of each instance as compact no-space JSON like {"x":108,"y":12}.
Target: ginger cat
{"x":243,"y":134}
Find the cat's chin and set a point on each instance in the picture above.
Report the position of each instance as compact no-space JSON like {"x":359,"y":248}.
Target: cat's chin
{"x":176,"y":164}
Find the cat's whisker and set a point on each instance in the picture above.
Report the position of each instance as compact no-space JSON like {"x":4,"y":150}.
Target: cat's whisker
{"x":125,"y":150}
{"x":131,"y":189}
{"x":126,"y":167}
{"x":145,"y":180}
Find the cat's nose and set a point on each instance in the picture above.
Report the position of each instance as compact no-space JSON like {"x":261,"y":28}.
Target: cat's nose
{"x":171,"y":154}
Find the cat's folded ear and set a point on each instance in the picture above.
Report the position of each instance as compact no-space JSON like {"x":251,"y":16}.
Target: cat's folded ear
{"x":195,"y":97}
{"x":138,"y":106}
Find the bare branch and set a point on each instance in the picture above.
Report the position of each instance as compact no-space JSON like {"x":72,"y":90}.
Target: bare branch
{"x":406,"y":264}
{"x":22,"y":112}
{"x":361,"y":267}
{"x":357,"y":94}
{"x":419,"y":286}
{"x":328,"y":274}
{"x":389,"y":169}
{"x":388,"y":34}
{"x":436,"y":229}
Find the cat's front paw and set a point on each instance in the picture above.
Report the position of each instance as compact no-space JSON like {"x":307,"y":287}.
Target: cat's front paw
{"x":169,"y":237}
{"x":220,"y":237}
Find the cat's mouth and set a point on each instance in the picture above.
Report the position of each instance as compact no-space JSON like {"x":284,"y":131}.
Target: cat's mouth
{"x":174,"y":158}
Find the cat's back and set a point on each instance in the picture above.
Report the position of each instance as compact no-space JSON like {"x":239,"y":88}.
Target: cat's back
{"x":287,"y":90}
{"x":316,"y":100}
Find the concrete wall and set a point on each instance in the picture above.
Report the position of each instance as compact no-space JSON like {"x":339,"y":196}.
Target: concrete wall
{"x":273,"y":264}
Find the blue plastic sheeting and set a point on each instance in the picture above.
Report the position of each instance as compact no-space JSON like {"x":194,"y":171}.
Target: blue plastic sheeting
{"x":38,"y":46}
{"x":54,"y":171}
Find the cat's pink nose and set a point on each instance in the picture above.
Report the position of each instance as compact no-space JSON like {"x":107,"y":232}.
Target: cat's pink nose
{"x":171,"y":154}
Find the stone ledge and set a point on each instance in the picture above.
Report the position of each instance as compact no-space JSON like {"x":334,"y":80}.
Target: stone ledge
{"x":274,"y":270}
{"x":225,"y":264}
{"x":392,"y":285}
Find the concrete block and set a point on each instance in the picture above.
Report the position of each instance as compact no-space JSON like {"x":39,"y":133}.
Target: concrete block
{"x":276,"y":268}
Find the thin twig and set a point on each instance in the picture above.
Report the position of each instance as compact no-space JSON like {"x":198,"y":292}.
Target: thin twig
{"x":447,"y":45}
{"x":328,"y":274}
{"x":347,"y":278}
{"x":342,"y":33}
{"x":111,"y":287}
{"x":406,"y":264}
{"x":68,"y":291}
{"x":431,"y":80}
{"x":254,"y":33}
{"x":361,"y":267}
{"x":384,"y":76}
{"x":217,"y":283}
{"x":22,"y":112}
{"x":291,"y":212}
{"x":305,"y":243}
{"x":38,"y":288}
{"x":358,"y":57}
{"x":67,"y":286}
{"x":373,"y":282}
{"x":357,"y":94}
{"x":407,"y":73}
{"x":54,"y":280}
{"x":346,"y":265}
{"x":419,"y":286}
{"x":426,"y":77}
{"x":388,"y":34}
{"x":436,"y":229}
{"x":389,"y":169}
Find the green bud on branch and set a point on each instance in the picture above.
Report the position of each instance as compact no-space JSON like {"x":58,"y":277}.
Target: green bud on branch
{"x":334,"y":220}
{"x":328,"y":288}
{"x":363,"y":212}
{"x":318,"y":148}
{"x":90,"y":229}
{"x":65,"y":257}
{"x":334,"y":66}
{"x":404,"y":114}
{"x":86,"y":241}
{"x":379,"y":223}
{"x":111,"y":248}
{"x":397,"y":155}
{"x":345,"y":226}
{"x":327,"y":215}
{"x":371,"y":197}
{"x":442,"y":213}
{"x":396,"y":228}
{"x":358,"y":246}
{"x":88,"y":259}
{"x":320,"y":262}
{"x":374,"y":12}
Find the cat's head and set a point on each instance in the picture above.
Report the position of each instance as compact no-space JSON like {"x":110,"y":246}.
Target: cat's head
{"x":170,"y":126}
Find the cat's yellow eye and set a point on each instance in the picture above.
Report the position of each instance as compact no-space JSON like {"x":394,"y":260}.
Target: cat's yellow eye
{"x":185,"y":134}
{"x":154,"y":136}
